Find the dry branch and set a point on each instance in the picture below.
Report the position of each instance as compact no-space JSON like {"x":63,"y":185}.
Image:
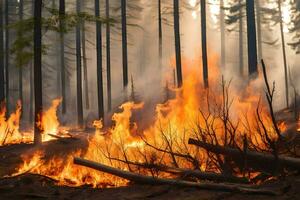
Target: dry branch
{"x":143,"y":179}
{"x":251,"y":156}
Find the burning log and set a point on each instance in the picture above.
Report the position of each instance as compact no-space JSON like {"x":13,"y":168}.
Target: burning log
{"x":149,"y":180}
{"x":252,"y":156}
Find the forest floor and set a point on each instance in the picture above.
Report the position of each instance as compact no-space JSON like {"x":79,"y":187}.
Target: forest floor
{"x":32,"y":186}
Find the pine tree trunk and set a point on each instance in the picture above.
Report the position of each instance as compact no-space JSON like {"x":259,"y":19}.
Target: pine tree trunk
{"x":62,"y":11}
{"x":38,"y":95}
{"x":124,"y":43}
{"x":177,"y":42}
{"x":31,"y":78}
{"x":222,"y":27}
{"x":79,"y":68}
{"x":85,"y":72}
{"x":204,"y":43}
{"x":284,"y":56}
{"x":99,"y":62}
{"x":241,"y":41}
{"x":2,"y":69}
{"x":251,"y":34}
{"x":160,"y":33}
{"x":108,"y":65}
{"x":7,"y":56}
{"x":21,"y":5}
{"x":259,"y":36}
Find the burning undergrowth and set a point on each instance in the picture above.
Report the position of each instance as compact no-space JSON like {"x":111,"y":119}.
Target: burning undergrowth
{"x":220,"y":115}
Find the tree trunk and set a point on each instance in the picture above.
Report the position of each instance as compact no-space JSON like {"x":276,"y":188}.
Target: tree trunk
{"x":108,"y":73}
{"x":177,"y":43}
{"x":160,"y":33}
{"x":99,"y":62}
{"x":149,"y":180}
{"x":241,"y":41}
{"x":79,"y":68}
{"x":7,"y":56}
{"x":2,"y":69}
{"x":124,"y":43}
{"x":21,"y":5}
{"x":204,"y":43}
{"x":222,"y":30}
{"x":62,"y":11}
{"x":251,"y":33}
{"x":284,"y":56}
{"x":85,"y":70}
{"x":259,"y":36}
{"x":38,"y":93}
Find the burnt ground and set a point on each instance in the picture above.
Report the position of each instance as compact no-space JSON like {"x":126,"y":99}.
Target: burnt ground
{"x":32,"y":186}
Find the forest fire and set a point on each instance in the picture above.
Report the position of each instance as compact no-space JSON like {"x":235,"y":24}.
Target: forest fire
{"x":211,"y":117}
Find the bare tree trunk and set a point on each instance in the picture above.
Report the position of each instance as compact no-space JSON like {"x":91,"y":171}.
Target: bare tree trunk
{"x":251,"y":33}
{"x":62,"y":11}
{"x":85,"y":70}
{"x":177,"y":43}
{"x":7,"y":57}
{"x":108,"y":65}
{"x":99,"y":62}
{"x":79,"y":68}
{"x":204,"y":43}
{"x":38,"y":93}
{"x":21,"y":5}
{"x":124,"y":43}
{"x":222,"y":31}
{"x":241,"y":41}
{"x":2,"y":68}
{"x":284,"y":56}
{"x":259,"y":36}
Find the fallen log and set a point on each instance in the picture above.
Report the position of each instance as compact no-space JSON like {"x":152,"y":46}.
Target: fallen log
{"x":149,"y":180}
{"x":251,"y":156}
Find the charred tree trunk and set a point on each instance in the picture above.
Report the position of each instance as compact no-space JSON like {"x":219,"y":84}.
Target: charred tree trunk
{"x":259,"y":36}
{"x":159,"y":33}
{"x":99,"y":62}
{"x":241,"y":41}
{"x":251,"y":33}
{"x":204,"y":43}
{"x":222,"y":31}
{"x":124,"y":43}
{"x":62,"y":10}
{"x":7,"y":56}
{"x":79,"y":68}
{"x":21,"y":5}
{"x":177,"y":43}
{"x":284,"y":56}
{"x":85,"y":70}
{"x":2,"y":68}
{"x":38,"y":93}
{"x":108,"y":70}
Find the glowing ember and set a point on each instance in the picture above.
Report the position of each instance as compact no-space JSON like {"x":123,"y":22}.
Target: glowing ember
{"x":298,"y":127}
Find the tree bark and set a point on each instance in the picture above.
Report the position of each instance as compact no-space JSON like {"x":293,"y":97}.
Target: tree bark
{"x":108,"y":64}
{"x":2,"y":68}
{"x":284,"y":56}
{"x":204,"y":43}
{"x":124,"y":43}
{"x":79,"y":68}
{"x":251,"y":33}
{"x":38,"y":93}
{"x":85,"y":70}
{"x":241,"y":41}
{"x":62,"y":11}
{"x":99,"y":62}
{"x":259,"y":36}
{"x":143,"y":179}
{"x":21,"y":5}
{"x":251,"y":156}
{"x":160,"y":33}
{"x":177,"y":43}
{"x":7,"y":63}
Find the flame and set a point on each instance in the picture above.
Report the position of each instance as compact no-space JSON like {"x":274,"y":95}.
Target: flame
{"x":298,"y":124}
{"x":194,"y":112}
